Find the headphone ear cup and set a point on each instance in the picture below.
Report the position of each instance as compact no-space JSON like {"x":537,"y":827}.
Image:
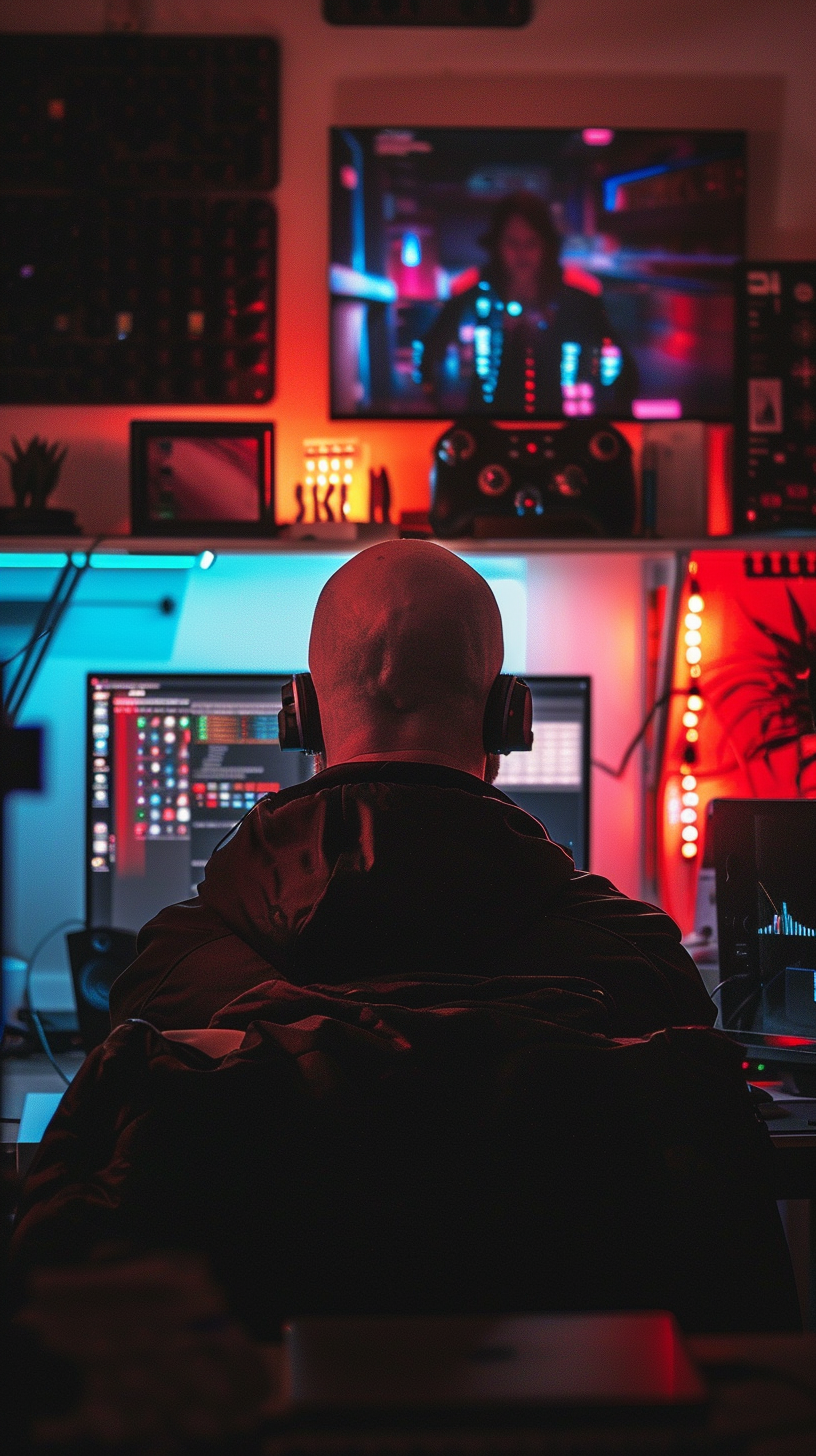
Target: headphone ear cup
{"x":508,"y":719}
{"x":299,"y":725}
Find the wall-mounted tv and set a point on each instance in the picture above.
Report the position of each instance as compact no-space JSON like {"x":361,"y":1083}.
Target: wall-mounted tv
{"x":534,"y":274}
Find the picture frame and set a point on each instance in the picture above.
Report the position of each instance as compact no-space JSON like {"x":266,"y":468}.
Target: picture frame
{"x":202,"y":478}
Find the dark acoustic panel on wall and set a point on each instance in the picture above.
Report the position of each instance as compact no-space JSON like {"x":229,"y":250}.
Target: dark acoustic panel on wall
{"x":137,"y":299}
{"x":484,"y":13}
{"x":140,"y":111}
{"x":138,"y":257}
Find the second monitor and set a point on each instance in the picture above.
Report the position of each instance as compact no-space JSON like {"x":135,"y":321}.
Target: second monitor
{"x":175,"y":760}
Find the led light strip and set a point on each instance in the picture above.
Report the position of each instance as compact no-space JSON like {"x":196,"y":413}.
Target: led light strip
{"x":692,"y":638}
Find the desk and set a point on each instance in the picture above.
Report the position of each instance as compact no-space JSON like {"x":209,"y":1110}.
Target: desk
{"x":763,"y":1403}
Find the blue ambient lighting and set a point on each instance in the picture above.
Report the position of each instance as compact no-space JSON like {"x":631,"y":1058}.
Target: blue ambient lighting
{"x":570,"y":355}
{"x":611,"y":362}
{"x":513,"y":308}
{"x":121,"y":561}
{"x":411,"y":251}
{"x":611,"y":184}
{"x":206,"y":560}
{"x":47,"y":559}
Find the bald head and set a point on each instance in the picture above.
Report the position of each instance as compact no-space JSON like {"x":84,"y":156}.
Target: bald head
{"x":406,"y":641}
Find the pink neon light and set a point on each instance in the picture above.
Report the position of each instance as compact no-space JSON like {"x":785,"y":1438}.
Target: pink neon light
{"x":657,"y":409}
{"x":789,"y":1041}
{"x":597,"y":136}
{"x":579,"y":278}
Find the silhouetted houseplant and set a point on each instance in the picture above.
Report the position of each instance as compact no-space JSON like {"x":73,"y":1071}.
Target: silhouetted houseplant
{"x":34,"y":473}
{"x":762,"y":698}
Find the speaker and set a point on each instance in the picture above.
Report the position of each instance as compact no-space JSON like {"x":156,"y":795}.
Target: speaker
{"x":97,"y":957}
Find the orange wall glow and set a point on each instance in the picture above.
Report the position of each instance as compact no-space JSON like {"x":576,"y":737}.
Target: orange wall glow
{"x":635,"y":63}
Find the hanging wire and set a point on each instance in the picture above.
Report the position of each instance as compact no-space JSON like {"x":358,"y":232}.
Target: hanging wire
{"x":27,"y":999}
{"x":53,"y":610}
{"x":617,"y":773}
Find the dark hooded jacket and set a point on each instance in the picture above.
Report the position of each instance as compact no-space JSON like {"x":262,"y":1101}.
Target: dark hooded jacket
{"x":403,"y":872}
{"x":433,"y":1081}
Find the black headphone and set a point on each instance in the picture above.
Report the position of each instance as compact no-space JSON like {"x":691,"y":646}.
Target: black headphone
{"x":508,"y":719}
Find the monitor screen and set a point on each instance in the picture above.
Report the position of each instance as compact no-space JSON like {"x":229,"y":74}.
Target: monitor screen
{"x":534,"y":274}
{"x":552,"y":781}
{"x":175,"y":760}
{"x":764,"y":857}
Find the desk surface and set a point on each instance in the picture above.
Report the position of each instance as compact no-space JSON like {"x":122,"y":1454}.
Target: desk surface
{"x":791,"y":1121}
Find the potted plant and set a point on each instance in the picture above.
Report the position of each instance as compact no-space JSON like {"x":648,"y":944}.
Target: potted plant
{"x":34,"y":472}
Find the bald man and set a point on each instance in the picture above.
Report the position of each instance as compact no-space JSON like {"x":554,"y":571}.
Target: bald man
{"x":400,"y":860}
{"x":397,"y":1056}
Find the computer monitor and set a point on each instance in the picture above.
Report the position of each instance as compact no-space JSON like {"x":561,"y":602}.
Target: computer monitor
{"x":175,"y":760}
{"x":763,"y":852}
{"x":542,"y":273}
{"x":552,"y":781}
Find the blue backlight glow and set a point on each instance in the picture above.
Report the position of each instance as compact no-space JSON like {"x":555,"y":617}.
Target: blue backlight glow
{"x":411,"y":251}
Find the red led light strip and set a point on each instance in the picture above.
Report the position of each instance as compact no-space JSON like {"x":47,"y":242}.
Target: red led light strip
{"x":692,"y":641}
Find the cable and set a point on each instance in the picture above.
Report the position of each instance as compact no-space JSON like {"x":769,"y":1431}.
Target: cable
{"x":617,"y":773}
{"x":25,"y":648}
{"x":737,"y":976}
{"x":49,"y":617}
{"x":32,"y":1011}
{"x":45,"y":627}
{"x":757,"y":990}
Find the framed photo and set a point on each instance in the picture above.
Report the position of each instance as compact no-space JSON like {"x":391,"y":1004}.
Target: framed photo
{"x":201,"y":479}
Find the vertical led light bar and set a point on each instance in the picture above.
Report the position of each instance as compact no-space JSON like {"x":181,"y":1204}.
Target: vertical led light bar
{"x":693,"y":644}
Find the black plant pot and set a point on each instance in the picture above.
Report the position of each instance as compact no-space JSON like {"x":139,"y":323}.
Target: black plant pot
{"x":24,"y":521}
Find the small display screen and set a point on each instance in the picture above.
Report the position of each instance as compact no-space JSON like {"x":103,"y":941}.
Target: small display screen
{"x":541,"y":274}
{"x":765,"y":860}
{"x":207,"y":479}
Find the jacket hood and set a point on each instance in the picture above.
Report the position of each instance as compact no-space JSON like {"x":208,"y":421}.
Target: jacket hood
{"x":385,"y":868}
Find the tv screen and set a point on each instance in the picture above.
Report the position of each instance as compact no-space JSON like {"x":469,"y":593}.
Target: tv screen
{"x":534,"y":274}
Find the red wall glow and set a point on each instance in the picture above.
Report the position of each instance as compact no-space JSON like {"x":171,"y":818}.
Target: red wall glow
{"x":755,"y":633}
